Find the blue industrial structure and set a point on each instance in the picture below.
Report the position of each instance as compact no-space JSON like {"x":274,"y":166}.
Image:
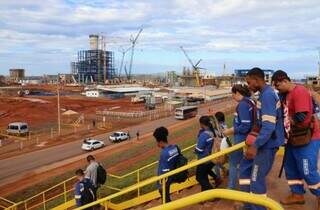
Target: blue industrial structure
{"x":95,"y":65}
{"x":243,"y":72}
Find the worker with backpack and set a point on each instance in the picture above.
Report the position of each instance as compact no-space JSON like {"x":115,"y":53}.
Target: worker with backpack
{"x":84,"y":190}
{"x":96,"y":173}
{"x":170,"y":159}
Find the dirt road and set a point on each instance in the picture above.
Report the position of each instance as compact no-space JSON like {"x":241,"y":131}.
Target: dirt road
{"x":14,"y":168}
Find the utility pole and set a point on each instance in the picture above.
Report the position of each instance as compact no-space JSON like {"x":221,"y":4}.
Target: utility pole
{"x":59,"y":119}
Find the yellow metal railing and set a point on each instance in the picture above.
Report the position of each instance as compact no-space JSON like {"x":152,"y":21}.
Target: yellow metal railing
{"x":33,"y":202}
{"x":162,"y":178}
{"x":44,"y":199}
{"x":224,"y":194}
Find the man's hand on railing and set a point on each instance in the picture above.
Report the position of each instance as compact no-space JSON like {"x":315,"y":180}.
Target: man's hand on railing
{"x":250,"y":152}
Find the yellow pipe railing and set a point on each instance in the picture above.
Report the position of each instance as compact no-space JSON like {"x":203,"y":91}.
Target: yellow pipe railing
{"x":65,"y":190}
{"x":162,"y":178}
{"x":224,"y":194}
{"x":43,"y":195}
{"x":8,"y":201}
{"x":15,"y":206}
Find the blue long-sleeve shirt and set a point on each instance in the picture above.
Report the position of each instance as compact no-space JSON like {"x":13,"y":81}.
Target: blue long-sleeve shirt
{"x":80,"y":188}
{"x":204,"y":144}
{"x":269,"y":119}
{"x":243,"y":120}
{"x":168,"y":158}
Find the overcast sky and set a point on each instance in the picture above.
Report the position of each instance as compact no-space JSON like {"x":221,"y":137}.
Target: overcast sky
{"x":43,"y":36}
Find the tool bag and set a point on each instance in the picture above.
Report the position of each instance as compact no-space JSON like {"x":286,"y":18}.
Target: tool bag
{"x":299,"y":135}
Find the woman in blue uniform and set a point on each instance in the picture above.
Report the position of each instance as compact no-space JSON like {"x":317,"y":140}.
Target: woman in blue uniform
{"x":203,"y":149}
{"x":242,"y":125}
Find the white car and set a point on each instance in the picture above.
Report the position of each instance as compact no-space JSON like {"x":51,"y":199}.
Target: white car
{"x":18,"y":128}
{"x":119,"y":136}
{"x":91,"y":144}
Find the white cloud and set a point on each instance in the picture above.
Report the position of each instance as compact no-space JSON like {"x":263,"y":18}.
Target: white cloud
{"x":60,"y":28}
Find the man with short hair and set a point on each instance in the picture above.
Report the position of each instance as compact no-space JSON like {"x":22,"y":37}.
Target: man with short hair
{"x":84,"y":190}
{"x":168,"y":158}
{"x":270,"y":136}
{"x":91,"y":172}
{"x":300,"y":161}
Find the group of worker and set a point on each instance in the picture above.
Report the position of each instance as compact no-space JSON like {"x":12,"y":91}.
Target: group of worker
{"x":283,"y":114}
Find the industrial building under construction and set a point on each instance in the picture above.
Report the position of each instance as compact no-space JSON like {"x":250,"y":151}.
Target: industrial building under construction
{"x":95,"y":65}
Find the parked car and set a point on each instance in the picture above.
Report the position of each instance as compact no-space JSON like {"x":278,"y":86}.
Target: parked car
{"x":119,"y":136}
{"x":18,"y":128}
{"x":91,"y":144}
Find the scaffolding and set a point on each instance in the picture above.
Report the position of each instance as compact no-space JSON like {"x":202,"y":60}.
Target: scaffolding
{"x":95,"y":66}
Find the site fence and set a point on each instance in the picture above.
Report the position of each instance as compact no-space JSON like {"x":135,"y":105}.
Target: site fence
{"x":151,"y":114}
{"x":70,"y":129}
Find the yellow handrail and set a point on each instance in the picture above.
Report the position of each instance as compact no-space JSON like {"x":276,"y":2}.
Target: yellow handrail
{"x":165,"y":176}
{"x":137,"y":171}
{"x":8,"y":201}
{"x":221,"y":193}
{"x":15,"y":206}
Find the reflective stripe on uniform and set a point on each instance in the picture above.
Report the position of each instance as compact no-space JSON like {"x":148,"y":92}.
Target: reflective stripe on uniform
{"x":314,"y":187}
{"x":264,"y":194}
{"x":166,"y":169}
{"x":77,"y":196}
{"x":278,"y":105}
{"x":258,"y":104}
{"x":269,"y":118}
{"x":295,"y":182}
{"x":209,"y":139}
{"x":201,"y":150}
{"x":172,"y":157}
{"x":246,"y":121}
{"x":244,"y":181}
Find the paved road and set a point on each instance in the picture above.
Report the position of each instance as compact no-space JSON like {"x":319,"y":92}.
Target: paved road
{"x":22,"y":164}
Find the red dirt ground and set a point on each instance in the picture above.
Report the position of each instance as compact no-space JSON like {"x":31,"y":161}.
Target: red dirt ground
{"x":37,"y":114}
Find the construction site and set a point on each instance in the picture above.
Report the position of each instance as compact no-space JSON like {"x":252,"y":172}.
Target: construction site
{"x":96,"y":99}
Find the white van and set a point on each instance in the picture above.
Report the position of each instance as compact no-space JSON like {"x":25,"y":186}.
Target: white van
{"x":18,"y":128}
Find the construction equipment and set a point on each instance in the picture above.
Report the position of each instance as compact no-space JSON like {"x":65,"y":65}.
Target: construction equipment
{"x":123,"y":51}
{"x":133,"y":41}
{"x":196,"y":68}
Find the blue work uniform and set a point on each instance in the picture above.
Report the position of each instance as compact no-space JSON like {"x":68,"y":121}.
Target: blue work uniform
{"x":242,"y":125}
{"x":203,"y":149}
{"x":82,"y":197}
{"x":300,"y":163}
{"x":168,"y":159}
{"x":271,"y":136}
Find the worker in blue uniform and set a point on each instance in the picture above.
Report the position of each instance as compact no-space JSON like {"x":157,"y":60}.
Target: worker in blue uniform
{"x":242,"y":125}
{"x":168,"y":158}
{"x":84,"y":190}
{"x":203,"y":149}
{"x":270,"y":137}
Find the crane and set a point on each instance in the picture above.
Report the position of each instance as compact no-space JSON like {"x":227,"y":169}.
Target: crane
{"x":123,"y":51}
{"x":133,"y":41}
{"x":196,"y":68}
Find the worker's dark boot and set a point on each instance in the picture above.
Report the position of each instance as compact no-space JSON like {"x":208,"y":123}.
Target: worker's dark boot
{"x":293,"y":199}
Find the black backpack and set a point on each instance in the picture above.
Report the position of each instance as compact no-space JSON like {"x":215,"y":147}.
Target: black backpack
{"x":87,"y":195}
{"x":101,"y":175}
{"x":183,"y":175}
